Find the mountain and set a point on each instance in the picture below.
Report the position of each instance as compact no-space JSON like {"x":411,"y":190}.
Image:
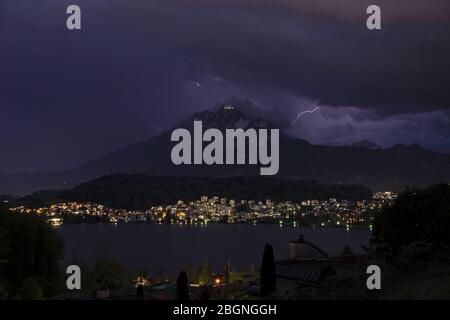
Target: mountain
{"x":380,"y":169}
{"x":366,"y":144}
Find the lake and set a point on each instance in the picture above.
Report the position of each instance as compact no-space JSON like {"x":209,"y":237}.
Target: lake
{"x":165,"y":247}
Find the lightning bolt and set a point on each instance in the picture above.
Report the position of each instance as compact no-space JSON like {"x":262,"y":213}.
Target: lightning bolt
{"x":256,"y":103}
{"x":305,"y":112}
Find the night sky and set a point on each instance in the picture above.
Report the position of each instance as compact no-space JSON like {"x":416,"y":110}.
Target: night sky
{"x":141,"y":66}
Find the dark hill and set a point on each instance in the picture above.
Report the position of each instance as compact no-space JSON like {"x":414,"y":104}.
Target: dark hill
{"x":142,"y":192}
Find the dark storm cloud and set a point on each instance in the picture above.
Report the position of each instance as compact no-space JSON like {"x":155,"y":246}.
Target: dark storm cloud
{"x":141,"y":65}
{"x":332,"y":58}
{"x":66,"y":98}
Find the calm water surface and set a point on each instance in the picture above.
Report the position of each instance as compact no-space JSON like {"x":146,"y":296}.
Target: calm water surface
{"x":168,"y":248}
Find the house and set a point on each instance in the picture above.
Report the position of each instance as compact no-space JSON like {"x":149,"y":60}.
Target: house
{"x":308,"y":265}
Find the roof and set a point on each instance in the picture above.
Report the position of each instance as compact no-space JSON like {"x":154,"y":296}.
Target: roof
{"x":308,"y":273}
{"x":308,"y":250}
{"x":313,"y":270}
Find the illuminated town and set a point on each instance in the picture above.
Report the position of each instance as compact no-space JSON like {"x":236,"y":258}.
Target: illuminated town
{"x":324,"y":213}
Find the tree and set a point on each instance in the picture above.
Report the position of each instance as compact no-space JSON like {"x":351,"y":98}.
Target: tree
{"x":205,"y":274}
{"x":268,"y":274}
{"x":140,"y":291}
{"x":227,"y":271}
{"x":30,"y":250}
{"x":183,"y":287}
{"x":191,"y":273}
{"x":416,"y":216}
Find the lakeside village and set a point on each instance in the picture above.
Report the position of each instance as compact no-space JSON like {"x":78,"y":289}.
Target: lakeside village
{"x":328,"y":213}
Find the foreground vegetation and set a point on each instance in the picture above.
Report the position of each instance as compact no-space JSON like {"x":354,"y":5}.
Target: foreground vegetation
{"x":410,"y":243}
{"x":140,"y":192}
{"x":29,"y":255}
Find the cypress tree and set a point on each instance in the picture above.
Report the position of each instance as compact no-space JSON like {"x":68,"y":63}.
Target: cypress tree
{"x":182,"y":287}
{"x":140,"y":292}
{"x":268,"y":275}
